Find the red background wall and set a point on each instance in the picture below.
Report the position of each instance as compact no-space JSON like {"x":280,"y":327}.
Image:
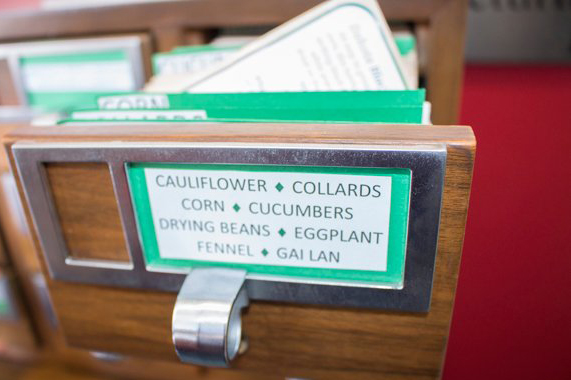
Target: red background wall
{"x":512,"y":318}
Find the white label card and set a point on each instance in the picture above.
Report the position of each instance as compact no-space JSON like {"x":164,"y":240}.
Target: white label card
{"x":284,"y":219}
{"x":190,"y":63}
{"x":340,"y":45}
{"x":79,"y":76}
{"x":140,"y":115}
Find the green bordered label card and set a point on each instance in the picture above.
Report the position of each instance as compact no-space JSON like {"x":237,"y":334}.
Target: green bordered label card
{"x":304,"y":223}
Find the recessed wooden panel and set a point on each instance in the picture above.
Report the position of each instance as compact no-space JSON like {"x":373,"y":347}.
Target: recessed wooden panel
{"x":85,"y":203}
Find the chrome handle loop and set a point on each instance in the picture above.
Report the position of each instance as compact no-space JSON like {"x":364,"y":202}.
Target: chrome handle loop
{"x":206,"y":322}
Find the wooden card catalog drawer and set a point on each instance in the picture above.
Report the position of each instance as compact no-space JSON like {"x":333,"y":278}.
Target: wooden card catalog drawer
{"x":344,"y":240}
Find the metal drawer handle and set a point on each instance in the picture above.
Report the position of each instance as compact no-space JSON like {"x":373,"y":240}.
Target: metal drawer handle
{"x":206,"y":322}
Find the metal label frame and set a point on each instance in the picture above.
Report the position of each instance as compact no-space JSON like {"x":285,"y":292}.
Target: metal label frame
{"x":427,"y":163}
{"x":13,"y":52}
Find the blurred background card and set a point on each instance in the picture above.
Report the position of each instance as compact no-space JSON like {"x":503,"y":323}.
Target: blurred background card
{"x":337,"y":46}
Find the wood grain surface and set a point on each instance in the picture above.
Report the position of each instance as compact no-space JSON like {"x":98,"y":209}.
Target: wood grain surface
{"x":88,"y":215}
{"x":285,"y":339}
{"x":17,"y":338}
{"x":46,"y":371}
{"x":445,"y":60}
{"x":3,"y":254}
{"x":4,"y":130}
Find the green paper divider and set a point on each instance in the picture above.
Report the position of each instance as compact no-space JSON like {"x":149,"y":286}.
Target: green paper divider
{"x":407,"y":115}
{"x":110,"y":55}
{"x":405,"y":44}
{"x":281,"y":100}
{"x":4,"y":308}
